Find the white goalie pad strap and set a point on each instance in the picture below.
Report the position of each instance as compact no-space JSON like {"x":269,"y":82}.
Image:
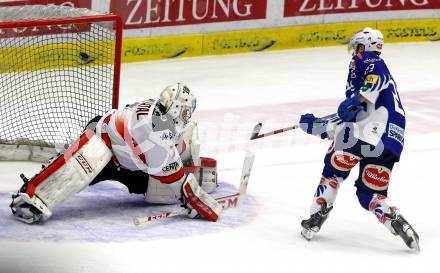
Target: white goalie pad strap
{"x":191,"y":153}
{"x":71,"y":172}
{"x":162,"y":193}
{"x":199,"y":200}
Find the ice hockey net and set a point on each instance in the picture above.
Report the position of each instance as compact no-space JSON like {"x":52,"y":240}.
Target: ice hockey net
{"x":59,"y":68}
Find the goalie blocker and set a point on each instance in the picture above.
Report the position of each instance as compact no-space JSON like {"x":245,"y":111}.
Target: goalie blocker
{"x":205,"y":174}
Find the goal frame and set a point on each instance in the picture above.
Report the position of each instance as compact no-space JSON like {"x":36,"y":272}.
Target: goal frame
{"x":84,"y":19}
{"x":30,"y":152}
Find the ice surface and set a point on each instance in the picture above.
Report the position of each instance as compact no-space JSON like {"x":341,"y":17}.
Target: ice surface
{"x":234,"y":93}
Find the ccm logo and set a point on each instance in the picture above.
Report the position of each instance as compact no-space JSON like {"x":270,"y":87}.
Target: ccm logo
{"x":157,"y":217}
{"x":229,"y":203}
{"x":84,"y":164}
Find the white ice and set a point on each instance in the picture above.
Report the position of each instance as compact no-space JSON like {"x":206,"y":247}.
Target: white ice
{"x":235,"y":92}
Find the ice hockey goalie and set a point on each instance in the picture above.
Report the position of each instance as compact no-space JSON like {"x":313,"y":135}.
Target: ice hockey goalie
{"x":151,"y":147}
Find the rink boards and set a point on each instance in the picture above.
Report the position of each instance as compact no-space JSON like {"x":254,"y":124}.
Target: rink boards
{"x":166,"y":47}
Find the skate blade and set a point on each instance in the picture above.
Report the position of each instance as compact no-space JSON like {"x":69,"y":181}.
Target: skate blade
{"x":307,"y":234}
{"x":415,"y":245}
{"x":415,"y":240}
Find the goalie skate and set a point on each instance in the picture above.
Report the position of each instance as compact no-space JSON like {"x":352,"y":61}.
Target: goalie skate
{"x":312,"y":225}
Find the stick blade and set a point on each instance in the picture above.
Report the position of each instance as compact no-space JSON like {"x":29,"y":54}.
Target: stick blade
{"x":246,"y":171}
{"x":256,"y":130}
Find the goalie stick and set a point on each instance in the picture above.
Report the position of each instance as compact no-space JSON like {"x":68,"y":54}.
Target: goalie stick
{"x":228,"y":201}
{"x":257,"y":128}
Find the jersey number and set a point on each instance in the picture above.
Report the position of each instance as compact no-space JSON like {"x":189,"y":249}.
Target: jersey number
{"x":397,"y":104}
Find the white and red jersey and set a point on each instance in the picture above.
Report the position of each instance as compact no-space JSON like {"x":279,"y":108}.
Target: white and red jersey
{"x":143,"y":139}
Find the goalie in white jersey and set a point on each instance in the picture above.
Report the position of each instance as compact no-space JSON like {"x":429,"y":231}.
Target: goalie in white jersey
{"x":141,"y":146}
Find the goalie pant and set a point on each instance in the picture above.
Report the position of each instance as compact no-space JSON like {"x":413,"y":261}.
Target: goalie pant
{"x":78,"y":167}
{"x":372,"y":182}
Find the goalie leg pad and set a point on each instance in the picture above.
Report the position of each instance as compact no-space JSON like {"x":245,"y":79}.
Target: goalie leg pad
{"x":65,"y":176}
{"x":195,"y":198}
{"x":29,"y":210}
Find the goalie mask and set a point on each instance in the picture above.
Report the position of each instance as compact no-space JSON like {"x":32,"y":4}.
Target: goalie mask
{"x":372,"y":39}
{"x":179,"y":103}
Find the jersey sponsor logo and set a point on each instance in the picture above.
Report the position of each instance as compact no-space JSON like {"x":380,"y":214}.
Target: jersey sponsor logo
{"x":372,"y":79}
{"x":396,"y":132}
{"x":167,"y":135}
{"x":84,"y":164}
{"x":171,"y":168}
{"x":376,"y":177}
{"x":344,"y":161}
{"x":371,"y":60}
{"x":377,"y":128}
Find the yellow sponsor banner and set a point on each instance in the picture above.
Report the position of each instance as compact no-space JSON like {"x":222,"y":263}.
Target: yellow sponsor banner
{"x":319,"y":35}
{"x":240,"y":41}
{"x":410,"y":30}
{"x":157,"y":48}
{"x":143,"y":49}
{"x":55,"y":56}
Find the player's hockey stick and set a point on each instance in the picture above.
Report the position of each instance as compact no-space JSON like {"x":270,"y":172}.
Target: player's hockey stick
{"x":228,"y":201}
{"x":257,"y":128}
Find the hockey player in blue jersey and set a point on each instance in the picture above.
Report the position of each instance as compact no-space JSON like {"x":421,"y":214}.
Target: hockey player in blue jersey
{"x":369,"y":132}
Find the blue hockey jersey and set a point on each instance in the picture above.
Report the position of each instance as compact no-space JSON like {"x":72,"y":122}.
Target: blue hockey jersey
{"x":383,"y":121}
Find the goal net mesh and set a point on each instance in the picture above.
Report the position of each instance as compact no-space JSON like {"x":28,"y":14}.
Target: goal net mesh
{"x":54,"y":77}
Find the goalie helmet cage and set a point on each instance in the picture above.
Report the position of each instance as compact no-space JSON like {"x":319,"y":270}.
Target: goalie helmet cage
{"x":59,"y":68}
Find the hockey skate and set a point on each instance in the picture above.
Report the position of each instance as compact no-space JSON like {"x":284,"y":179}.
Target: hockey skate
{"x":404,"y":230}
{"x":312,"y":225}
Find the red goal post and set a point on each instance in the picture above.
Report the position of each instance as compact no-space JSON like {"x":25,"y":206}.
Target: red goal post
{"x":59,"y":68}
